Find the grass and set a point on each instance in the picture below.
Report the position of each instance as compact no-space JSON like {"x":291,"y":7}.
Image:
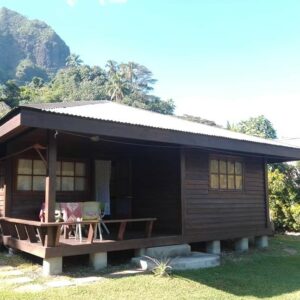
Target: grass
{"x":259,"y":274}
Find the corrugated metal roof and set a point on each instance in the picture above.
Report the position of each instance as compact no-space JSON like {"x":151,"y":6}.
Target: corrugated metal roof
{"x":115,"y":112}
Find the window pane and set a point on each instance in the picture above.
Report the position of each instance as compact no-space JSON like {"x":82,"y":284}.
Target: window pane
{"x":58,"y":183}
{"x":214,"y":181}
{"x":223,"y":181}
{"x":223,"y":167}
{"x":238,"y":168}
{"x":38,"y":183}
{"x":25,"y":166}
{"x":230,"y":167}
{"x":67,"y":168}
{"x":39,"y":167}
{"x":79,"y":169}
{"x":58,"y":168}
{"x":214,"y":166}
{"x":67,"y":184}
{"x":238,"y":182}
{"x":231,"y":182}
{"x":24,"y":183}
{"x":79,"y":184}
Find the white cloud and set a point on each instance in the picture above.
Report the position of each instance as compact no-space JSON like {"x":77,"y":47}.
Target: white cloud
{"x":71,"y":3}
{"x":104,"y":2}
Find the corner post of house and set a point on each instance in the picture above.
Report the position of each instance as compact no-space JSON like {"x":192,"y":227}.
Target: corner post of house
{"x":266,"y":183}
{"x":182,"y":192}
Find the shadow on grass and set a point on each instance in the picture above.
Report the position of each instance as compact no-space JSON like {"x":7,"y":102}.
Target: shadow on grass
{"x":260,"y":276}
{"x":17,"y":258}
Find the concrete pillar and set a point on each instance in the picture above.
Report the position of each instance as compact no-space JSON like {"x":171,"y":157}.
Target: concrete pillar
{"x":241,"y":245}
{"x":139,"y":252}
{"x":261,"y":242}
{"x":52,"y":266}
{"x":213,"y":247}
{"x":98,"y":260}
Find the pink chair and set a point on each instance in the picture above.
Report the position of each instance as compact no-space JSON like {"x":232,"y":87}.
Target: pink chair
{"x":71,"y":212}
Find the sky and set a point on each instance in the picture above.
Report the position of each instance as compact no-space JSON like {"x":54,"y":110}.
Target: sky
{"x":224,"y":60}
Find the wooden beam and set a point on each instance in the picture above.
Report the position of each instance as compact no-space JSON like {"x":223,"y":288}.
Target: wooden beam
{"x":50,"y":191}
{"x":10,"y":125}
{"x":267,"y":208}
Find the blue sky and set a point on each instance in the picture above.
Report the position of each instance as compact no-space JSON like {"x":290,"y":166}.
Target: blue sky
{"x":219,"y":59}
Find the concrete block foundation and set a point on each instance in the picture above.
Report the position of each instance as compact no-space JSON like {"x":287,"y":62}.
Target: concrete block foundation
{"x":241,"y":245}
{"x":98,"y":260}
{"x":52,"y":266}
{"x":261,"y":242}
{"x":213,"y":247}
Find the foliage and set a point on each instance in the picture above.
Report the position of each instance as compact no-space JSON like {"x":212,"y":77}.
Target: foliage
{"x":124,"y":83}
{"x":162,"y":267}
{"x":284,"y":196}
{"x":26,"y":70}
{"x":259,"y":126}
{"x":10,"y":93}
{"x":284,"y":179}
{"x":199,"y":120}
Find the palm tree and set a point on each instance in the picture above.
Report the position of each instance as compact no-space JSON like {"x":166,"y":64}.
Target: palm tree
{"x":73,"y":60}
{"x":116,"y":88}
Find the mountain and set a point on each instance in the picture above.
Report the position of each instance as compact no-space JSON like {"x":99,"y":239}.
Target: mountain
{"x":28,"y":48}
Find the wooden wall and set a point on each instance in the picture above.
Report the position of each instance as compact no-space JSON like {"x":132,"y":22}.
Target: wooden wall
{"x":145,"y":180}
{"x":210,"y":214}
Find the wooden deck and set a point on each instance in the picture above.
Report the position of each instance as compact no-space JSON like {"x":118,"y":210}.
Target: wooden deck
{"x":70,"y":247}
{"x":46,"y":240}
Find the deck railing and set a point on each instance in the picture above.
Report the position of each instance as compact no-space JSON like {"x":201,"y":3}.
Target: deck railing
{"x":48,"y":234}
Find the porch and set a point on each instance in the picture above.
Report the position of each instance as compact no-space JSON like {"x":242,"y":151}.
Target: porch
{"x":46,"y":241}
{"x":143,"y":204}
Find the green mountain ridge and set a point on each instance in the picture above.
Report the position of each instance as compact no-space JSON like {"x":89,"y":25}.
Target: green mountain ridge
{"x":28,"y":48}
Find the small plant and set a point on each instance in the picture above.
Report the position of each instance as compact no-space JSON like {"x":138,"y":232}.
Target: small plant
{"x":162,"y":267}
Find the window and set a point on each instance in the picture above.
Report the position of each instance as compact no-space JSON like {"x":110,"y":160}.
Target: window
{"x":70,"y":175}
{"x":226,"y":174}
{"x":31,"y":175}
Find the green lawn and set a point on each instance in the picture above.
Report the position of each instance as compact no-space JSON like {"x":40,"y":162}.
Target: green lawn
{"x":259,"y":274}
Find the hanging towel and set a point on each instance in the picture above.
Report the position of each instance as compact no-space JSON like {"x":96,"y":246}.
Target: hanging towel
{"x":102,"y":180}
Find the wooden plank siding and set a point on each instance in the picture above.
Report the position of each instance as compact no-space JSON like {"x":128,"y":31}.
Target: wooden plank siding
{"x":213,"y":214}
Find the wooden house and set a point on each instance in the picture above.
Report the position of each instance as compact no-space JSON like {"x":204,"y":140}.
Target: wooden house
{"x":164,"y":180}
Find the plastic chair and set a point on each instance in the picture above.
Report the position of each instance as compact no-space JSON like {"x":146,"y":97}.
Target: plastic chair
{"x":71,"y":212}
{"x":91,"y":210}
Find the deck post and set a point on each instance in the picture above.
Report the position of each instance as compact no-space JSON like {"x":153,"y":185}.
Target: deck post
{"x":50,"y":190}
{"x":52,"y":266}
{"x":98,"y":260}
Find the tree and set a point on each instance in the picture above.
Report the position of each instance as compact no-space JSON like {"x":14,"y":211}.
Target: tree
{"x":199,"y":120}
{"x":259,"y":126}
{"x":10,"y":93}
{"x":284,"y":196}
{"x":73,"y":60}
{"x":116,"y":87}
{"x":283,"y":179}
